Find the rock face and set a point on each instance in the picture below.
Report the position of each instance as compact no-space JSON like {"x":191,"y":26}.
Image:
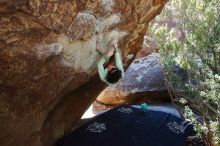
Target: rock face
{"x":143,"y":82}
{"x":48,"y":60}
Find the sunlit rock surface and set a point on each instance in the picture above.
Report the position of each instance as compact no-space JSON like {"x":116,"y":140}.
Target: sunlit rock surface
{"x":143,"y":82}
{"x":94,"y":111}
{"x":48,"y":61}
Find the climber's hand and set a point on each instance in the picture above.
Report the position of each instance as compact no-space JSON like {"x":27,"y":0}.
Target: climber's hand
{"x":115,"y":44}
{"x":101,"y":51}
{"x":110,"y":52}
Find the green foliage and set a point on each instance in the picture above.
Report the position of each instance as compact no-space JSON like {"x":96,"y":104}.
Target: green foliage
{"x":194,"y":45}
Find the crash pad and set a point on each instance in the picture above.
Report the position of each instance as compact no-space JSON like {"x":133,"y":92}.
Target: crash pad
{"x":129,"y":126}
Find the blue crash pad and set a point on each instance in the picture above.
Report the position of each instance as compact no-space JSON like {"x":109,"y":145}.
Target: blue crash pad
{"x":129,"y":126}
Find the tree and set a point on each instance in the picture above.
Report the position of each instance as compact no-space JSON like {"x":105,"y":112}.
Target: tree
{"x":193,"y":45}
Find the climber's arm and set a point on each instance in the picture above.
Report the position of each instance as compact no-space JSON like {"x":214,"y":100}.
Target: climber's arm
{"x":101,"y":70}
{"x":118,"y":61}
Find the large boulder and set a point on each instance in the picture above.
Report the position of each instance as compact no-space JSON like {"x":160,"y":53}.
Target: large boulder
{"x":143,"y":82}
{"x":48,"y":60}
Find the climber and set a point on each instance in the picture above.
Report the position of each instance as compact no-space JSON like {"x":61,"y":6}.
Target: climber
{"x":112,"y":73}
